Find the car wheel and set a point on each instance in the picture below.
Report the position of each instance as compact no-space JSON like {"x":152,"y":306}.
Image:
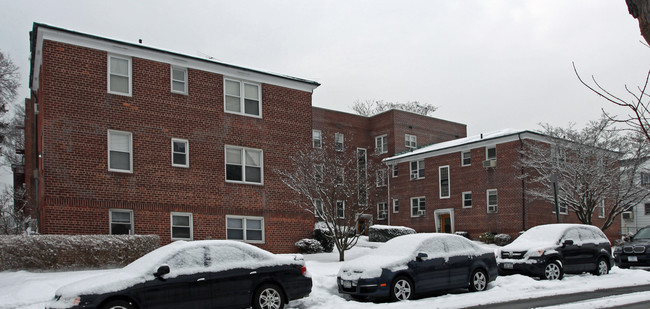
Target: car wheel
{"x":479,"y":281}
{"x":268,"y":296}
{"x":401,"y":289}
{"x":602,"y":268}
{"x":553,"y":271}
{"x":118,"y":304}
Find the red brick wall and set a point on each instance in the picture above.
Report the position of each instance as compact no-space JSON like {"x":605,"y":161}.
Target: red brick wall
{"x":78,"y":189}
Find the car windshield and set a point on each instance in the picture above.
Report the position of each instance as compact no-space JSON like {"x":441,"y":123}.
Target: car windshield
{"x":643,"y":234}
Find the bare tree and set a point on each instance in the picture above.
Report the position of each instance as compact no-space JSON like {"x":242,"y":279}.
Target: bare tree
{"x":370,"y":107}
{"x":9,"y":84}
{"x":640,"y":9}
{"x":13,"y":137}
{"x":14,"y":213}
{"x":335,"y":184}
{"x":596,"y":169}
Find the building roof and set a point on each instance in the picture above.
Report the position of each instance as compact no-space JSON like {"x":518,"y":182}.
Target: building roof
{"x":65,"y":35}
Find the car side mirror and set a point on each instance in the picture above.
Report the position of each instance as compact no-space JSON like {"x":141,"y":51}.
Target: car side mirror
{"x":162,"y":270}
{"x":421,"y":257}
{"x":567,"y":242}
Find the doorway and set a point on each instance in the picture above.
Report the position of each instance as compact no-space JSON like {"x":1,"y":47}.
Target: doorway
{"x":445,"y":223}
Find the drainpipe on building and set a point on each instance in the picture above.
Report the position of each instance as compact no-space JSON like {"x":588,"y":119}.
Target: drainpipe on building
{"x":389,"y":205}
{"x":523,"y":184}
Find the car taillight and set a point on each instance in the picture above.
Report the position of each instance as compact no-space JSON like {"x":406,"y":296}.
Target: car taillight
{"x":303,"y":270}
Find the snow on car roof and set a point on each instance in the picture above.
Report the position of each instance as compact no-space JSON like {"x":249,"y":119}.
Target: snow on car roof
{"x":546,"y":235}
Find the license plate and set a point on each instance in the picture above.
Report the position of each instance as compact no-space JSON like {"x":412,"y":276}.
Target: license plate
{"x":507,"y":266}
{"x":632,"y":259}
{"x":347,"y":284}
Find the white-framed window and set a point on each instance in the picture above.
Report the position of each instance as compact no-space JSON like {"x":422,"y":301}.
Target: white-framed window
{"x":601,"y":209}
{"x":443,"y":176}
{"x":318,"y":172}
{"x":340,"y":209}
{"x":382,"y":211}
{"x":243,"y":98}
{"x":417,"y":169}
{"x":395,"y":205}
{"x":492,"y":200}
{"x":418,"y":206}
{"x":381,"y":144}
{"x":491,"y":153}
{"x":411,"y":141}
{"x":245,"y":228}
{"x":339,"y":141}
{"x":318,"y":207}
{"x":120,"y":151}
{"x":381,"y":178}
{"x":317,"y":139}
{"x":564,"y":210}
{"x":244,"y":165}
{"x":121,"y":221}
{"x":179,"y":80}
{"x":467,"y":199}
{"x":180,"y":152}
{"x":340,"y":175}
{"x":395,"y":170}
{"x":182,"y":226}
{"x":466,"y":158}
{"x":119,"y":75}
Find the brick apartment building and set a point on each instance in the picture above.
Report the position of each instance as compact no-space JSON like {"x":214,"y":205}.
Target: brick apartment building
{"x":471,"y":184}
{"x":124,"y":138}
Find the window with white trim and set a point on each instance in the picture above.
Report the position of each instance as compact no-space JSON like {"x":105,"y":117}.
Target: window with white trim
{"x":381,"y":178}
{"x":563,"y":208}
{"x":491,"y":153}
{"x":417,"y":169}
{"x":492,"y":200}
{"x":318,"y":172}
{"x":395,"y":170}
{"x":466,"y":158}
{"x":248,"y":229}
{"x":381,"y":144}
{"x":180,"y":152}
{"x":418,"y":206}
{"x":467,"y":199}
{"x":339,"y":141}
{"x":395,"y":205}
{"x":382,"y":211}
{"x":182,"y":226}
{"x":340,"y":175}
{"x":340,"y":209}
{"x":318,"y":207}
{"x":242,"y":98}
{"x":121,"y":222}
{"x":316,"y":139}
{"x":244,"y":165}
{"x":443,"y":176}
{"x":179,"y":80}
{"x":411,"y":141}
{"x":601,"y":209}
{"x":120,"y":151}
{"x":119,"y":75}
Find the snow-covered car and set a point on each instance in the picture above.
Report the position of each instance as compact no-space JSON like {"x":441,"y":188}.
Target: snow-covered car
{"x":636,"y":252}
{"x":196,"y":274}
{"x":548,"y":251}
{"x":416,"y":264}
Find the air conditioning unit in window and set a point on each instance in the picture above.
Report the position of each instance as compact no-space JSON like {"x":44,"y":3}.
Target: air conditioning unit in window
{"x":490,"y":163}
{"x":492,"y":208}
{"x":628,"y":215}
{"x":414,"y":175}
{"x":421,"y":213}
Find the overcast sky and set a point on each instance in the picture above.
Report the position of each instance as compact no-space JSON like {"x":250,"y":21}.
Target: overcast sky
{"x":488,"y":64}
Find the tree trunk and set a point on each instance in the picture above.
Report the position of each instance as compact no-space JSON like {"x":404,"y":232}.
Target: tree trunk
{"x":341,"y":255}
{"x":640,"y":9}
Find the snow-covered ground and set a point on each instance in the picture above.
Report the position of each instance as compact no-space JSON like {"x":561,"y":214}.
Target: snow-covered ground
{"x":28,"y":290}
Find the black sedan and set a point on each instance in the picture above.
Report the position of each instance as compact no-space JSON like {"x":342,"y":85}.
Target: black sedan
{"x":636,"y":252}
{"x":417,"y":264}
{"x":198,"y":274}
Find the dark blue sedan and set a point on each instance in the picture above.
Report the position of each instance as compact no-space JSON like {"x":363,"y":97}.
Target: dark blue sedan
{"x":198,"y":274}
{"x":417,"y":264}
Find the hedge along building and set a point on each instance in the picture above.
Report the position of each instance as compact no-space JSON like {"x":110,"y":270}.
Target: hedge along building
{"x":124,"y":138}
{"x":475,"y":185}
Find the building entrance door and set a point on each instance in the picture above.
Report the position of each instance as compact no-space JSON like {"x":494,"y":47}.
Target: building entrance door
{"x":445,"y":223}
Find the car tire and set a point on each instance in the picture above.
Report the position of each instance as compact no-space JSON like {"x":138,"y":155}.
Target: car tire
{"x":118,"y":304}
{"x":553,"y":271}
{"x":602,"y":267}
{"x":268,"y":296}
{"x":401,"y":289}
{"x":478,"y":281}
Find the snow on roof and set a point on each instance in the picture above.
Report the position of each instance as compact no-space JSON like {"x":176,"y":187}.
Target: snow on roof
{"x":460,"y":142}
{"x":389,"y":227}
{"x":544,"y":236}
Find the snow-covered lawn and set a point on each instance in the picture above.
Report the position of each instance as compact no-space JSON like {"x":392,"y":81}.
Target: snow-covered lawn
{"x":28,"y":290}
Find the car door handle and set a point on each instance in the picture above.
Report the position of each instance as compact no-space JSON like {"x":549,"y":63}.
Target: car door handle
{"x":253,"y":273}
{"x":200,"y":279}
